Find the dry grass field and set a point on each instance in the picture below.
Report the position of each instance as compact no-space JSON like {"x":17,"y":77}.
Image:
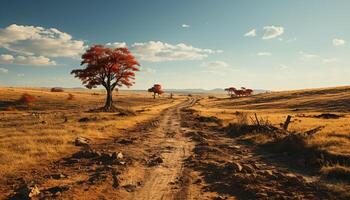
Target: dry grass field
{"x":43,"y":131}
{"x":188,"y":147}
{"x":309,"y":109}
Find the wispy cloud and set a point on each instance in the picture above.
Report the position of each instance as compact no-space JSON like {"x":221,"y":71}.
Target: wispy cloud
{"x":264,"y":54}
{"x":330,"y":60}
{"x":338,"y":42}
{"x":215,"y":64}
{"x":308,"y":55}
{"x":147,"y":70}
{"x":272,"y":32}
{"x":251,"y":33}
{"x":282,"y":67}
{"x":116,"y":44}
{"x":185,"y":26}
{"x":157,"y":51}
{"x":26,"y":60}
{"x":3,"y":70}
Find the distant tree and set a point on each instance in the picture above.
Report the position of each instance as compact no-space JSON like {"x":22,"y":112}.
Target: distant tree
{"x":230,"y":91}
{"x":57,"y":89}
{"x":27,"y":99}
{"x":108,"y":67}
{"x":156,"y":89}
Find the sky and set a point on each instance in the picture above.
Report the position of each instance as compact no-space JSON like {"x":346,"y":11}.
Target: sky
{"x":271,"y":44}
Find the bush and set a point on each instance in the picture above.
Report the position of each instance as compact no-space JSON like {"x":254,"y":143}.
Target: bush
{"x":10,"y":108}
{"x":57,"y":89}
{"x":70,"y":96}
{"x":27,"y":99}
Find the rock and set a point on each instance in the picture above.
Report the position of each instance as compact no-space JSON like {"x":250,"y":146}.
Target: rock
{"x":58,"y":176}
{"x":81,"y":141}
{"x":120,"y":156}
{"x":27,"y":192}
{"x":156,"y":160}
{"x":57,"y":190}
{"x":125,"y":141}
{"x":84,"y":154}
{"x":84,"y":119}
{"x":117,"y":156}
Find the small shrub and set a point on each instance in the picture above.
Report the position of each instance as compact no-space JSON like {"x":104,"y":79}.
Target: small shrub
{"x":57,"y":89}
{"x":241,"y":118}
{"x":70,"y":96}
{"x":27,"y":99}
{"x":10,"y":108}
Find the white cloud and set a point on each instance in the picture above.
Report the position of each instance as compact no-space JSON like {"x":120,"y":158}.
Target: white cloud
{"x":185,"y":26}
{"x":338,"y":42}
{"x":251,"y":33}
{"x":160,"y":51}
{"x":26,"y":60}
{"x":117,"y":44}
{"x":264,"y":54}
{"x":272,"y":32}
{"x":39,"y":41}
{"x":215,"y":64}
{"x":20,"y":75}
{"x":291,"y":40}
{"x":283,"y":67}
{"x":3,"y":70}
{"x":330,"y":60}
{"x":308,"y":55}
{"x":147,"y":70}
{"x":6,"y":58}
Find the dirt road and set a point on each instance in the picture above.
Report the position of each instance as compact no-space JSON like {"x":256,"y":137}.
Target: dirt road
{"x":175,"y":156}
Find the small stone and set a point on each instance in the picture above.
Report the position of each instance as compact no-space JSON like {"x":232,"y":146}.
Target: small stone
{"x":81,"y":141}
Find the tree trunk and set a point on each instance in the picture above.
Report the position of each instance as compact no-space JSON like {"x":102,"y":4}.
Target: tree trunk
{"x":109,"y":100}
{"x":154,"y":95}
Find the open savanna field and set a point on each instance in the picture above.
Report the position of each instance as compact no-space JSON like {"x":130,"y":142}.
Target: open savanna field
{"x":43,"y":131}
{"x":322,"y":115}
{"x":204,"y":146}
{"x":308,"y":108}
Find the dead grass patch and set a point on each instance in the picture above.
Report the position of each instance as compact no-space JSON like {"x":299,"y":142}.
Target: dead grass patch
{"x":336,"y":172}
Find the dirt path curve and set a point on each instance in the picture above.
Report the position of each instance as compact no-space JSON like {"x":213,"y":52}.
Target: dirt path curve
{"x":170,"y":144}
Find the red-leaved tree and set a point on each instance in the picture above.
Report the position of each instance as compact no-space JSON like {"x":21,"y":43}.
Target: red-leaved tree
{"x":111,"y":68}
{"x":156,"y":89}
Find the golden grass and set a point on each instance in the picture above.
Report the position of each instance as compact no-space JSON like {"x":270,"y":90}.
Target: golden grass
{"x":302,"y":105}
{"x":39,"y":133}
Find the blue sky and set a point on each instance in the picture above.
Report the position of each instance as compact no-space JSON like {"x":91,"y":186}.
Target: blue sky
{"x":270,"y":44}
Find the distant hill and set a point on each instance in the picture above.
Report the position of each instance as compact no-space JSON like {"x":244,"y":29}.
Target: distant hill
{"x":203,"y":91}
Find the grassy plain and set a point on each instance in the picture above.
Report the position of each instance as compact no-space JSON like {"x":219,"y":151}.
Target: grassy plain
{"x":44,"y":131}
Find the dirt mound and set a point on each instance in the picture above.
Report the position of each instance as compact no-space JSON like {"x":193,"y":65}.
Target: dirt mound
{"x":328,"y":116}
{"x":209,"y":119}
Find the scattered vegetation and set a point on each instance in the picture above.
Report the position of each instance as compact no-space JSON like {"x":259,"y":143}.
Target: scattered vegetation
{"x":108,"y":67}
{"x":27,"y":99}
{"x":156,"y":89}
{"x":70,"y":96}
{"x":57,"y":89}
